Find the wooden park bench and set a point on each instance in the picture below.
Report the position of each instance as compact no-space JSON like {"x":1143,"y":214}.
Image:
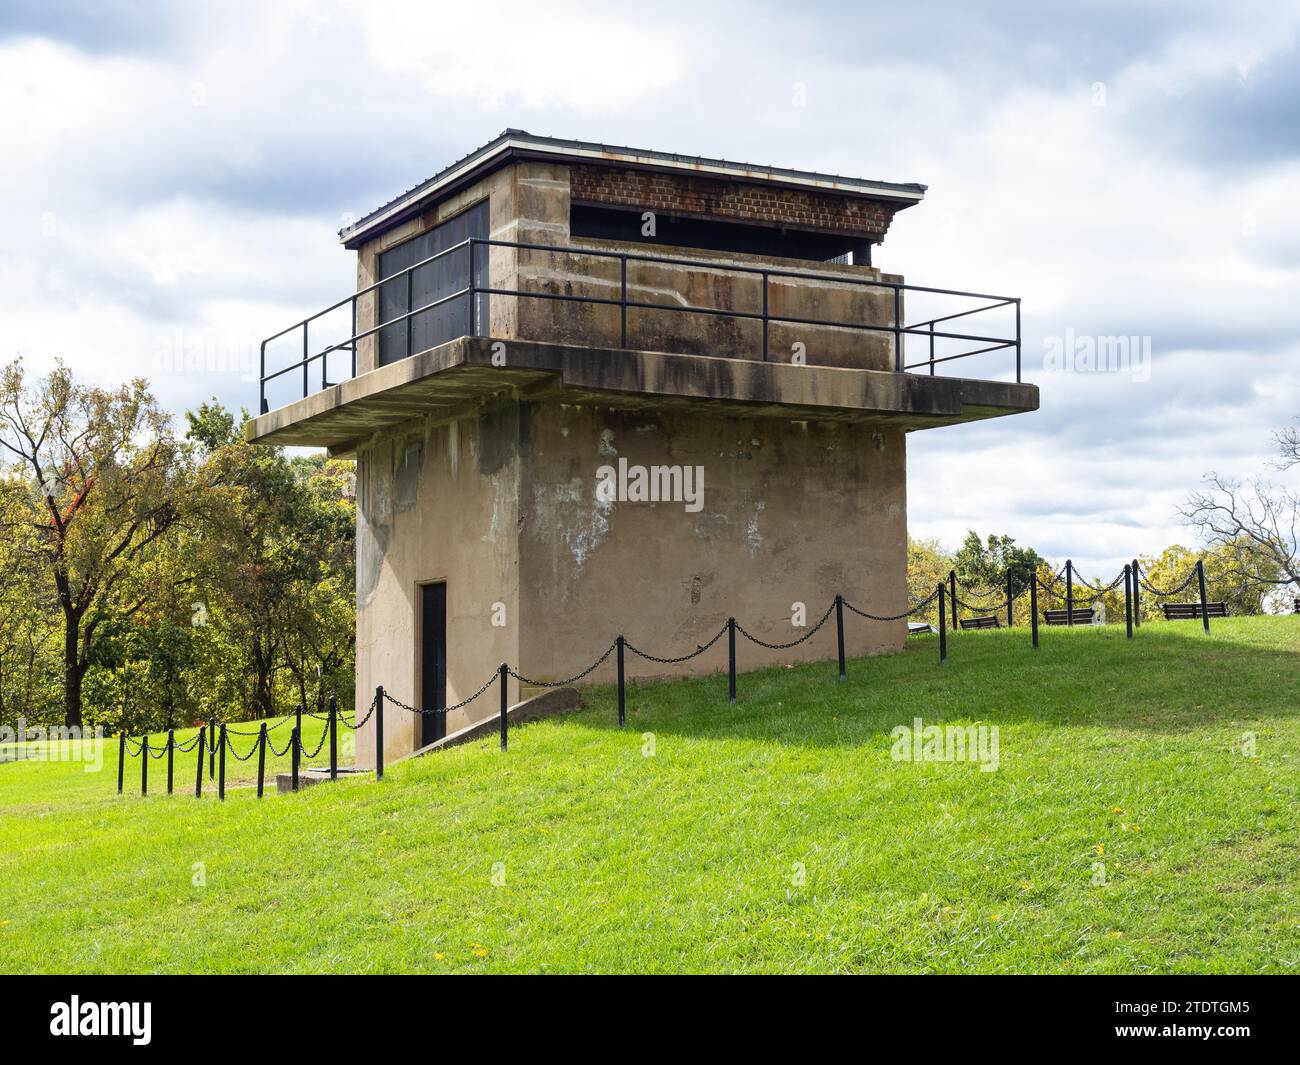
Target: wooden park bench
{"x":1191,"y":611}
{"x":1083,"y":615}
{"x":988,"y":621}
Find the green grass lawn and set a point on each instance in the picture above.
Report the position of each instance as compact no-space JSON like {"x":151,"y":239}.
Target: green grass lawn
{"x":775,"y":835}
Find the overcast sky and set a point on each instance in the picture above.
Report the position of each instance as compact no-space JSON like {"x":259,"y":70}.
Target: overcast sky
{"x":173,"y":177}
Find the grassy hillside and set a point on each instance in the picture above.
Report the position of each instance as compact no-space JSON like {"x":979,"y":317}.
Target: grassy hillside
{"x":774,"y":835}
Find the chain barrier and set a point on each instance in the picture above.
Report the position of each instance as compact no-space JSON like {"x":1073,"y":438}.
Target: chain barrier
{"x":319,"y":747}
{"x":1164,"y":595}
{"x":354,"y":725}
{"x":793,"y":643}
{"x":1097,"y":592}
{"x":230,"y":746}
{"x":288,"y":746}
{"x":680,"y":658}
{"x":922,"y":605}
{"x":443,"y":709}
{"x":561,"y":683}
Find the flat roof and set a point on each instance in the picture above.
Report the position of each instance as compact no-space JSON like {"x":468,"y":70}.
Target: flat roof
{"x":520,"y":144}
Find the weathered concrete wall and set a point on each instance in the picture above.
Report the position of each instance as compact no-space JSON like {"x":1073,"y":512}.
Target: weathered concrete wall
{"x":502,"y":504}
{"x":436,"y":501}
{"x":792,"y":512}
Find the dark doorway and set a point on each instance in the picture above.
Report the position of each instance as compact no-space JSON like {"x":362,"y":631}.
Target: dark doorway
{"x":433,"y":661}
{"x":434,"y":281}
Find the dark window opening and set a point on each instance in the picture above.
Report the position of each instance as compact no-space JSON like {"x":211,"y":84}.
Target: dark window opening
{"x":626,"y":224}
{"x":433,"y":281}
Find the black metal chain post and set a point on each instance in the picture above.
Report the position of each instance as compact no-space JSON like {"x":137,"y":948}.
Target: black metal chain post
{"x":839,"y":631}
{"x":121,"y":759}
{"x":297,"y":717}
{"x":334,"y":738}
{"x":261,"y":758}
{"x":1128,"y":601}
{"x":144,"y":765}
{"x":1069,"y":592}
{"x":1033,"y":606}
{"x":212,"y":747}
{"x":731,"y":660}
{"x":622,"y":690}
{"x":943,"y":626}
{"x":198,"y":766}
{"x":1137,"y":602}
{"x":502,"y":675}
{"x":952,"y":592}
{"x":379,"y":732}
{"x":221,"y":765}
{"x":171,"y":752}
{"x":1010,"y":616}
{"x":1200,"y":576}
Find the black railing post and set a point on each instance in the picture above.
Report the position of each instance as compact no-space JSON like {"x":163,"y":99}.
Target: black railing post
{"x":121,"y":759}
{"x":1017,"y":340}
{"x":1128,"y":601}
{"x":221,"y":765}
{"x":1200,"y":576}
{"x":296,"y":745}
{"x":334,"y":738}
{"x":622,"y":690}
{"x":469,"y":313}
{"x":839,"y":631}
{"x":1137,"y":601}
{"x":354,"y":336}
{"x":1010,"y":597}
{"x":898,"y":334}
{"x":622,"y":302}
{"x":144,"y":765}
{"x":261,"y":385}
{"x":171,"y":756}
{"x":410,"y":318}
{"x":261,"y":758}
{"x":1033,"y":605}
{"x":952,"y":590}
{"x":379,"y":732}
{"x":198,"y":768}
{"x":943,"y":628}
{"x":731,"y":660}
{"x":1069,"y":592}
{"x":502,"y":677}
{"x":931,"y":349}
{"x":306,"y":389}
{"x":212,"y":747}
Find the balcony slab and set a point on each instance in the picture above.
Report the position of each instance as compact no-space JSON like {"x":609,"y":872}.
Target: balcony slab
{"x":448,"y":379}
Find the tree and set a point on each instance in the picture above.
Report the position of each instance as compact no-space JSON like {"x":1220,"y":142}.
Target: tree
{"x":1254,"y":522}
{"x":25,"y":631}
{"x":107,"y":477}
{"x":984,"y":564}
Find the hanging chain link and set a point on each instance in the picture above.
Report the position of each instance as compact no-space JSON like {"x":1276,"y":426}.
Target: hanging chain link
{"x":443,"y":709}
{"x":894,"y":617}
{"x":793,"y":643}
{"x":562,"y":683}
{"x":680,"y":658}
{"x":1164,"y":595}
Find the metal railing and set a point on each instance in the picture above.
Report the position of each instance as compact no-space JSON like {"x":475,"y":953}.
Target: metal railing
{"x":472,"y":290}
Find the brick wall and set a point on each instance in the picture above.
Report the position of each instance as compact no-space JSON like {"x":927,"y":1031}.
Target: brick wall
{"x":733,"y":200}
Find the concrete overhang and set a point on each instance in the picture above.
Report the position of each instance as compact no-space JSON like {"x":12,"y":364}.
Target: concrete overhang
{"x":447,"y":380}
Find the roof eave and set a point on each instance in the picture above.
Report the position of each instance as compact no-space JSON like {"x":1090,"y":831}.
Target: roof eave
{"x":512,"y":144}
